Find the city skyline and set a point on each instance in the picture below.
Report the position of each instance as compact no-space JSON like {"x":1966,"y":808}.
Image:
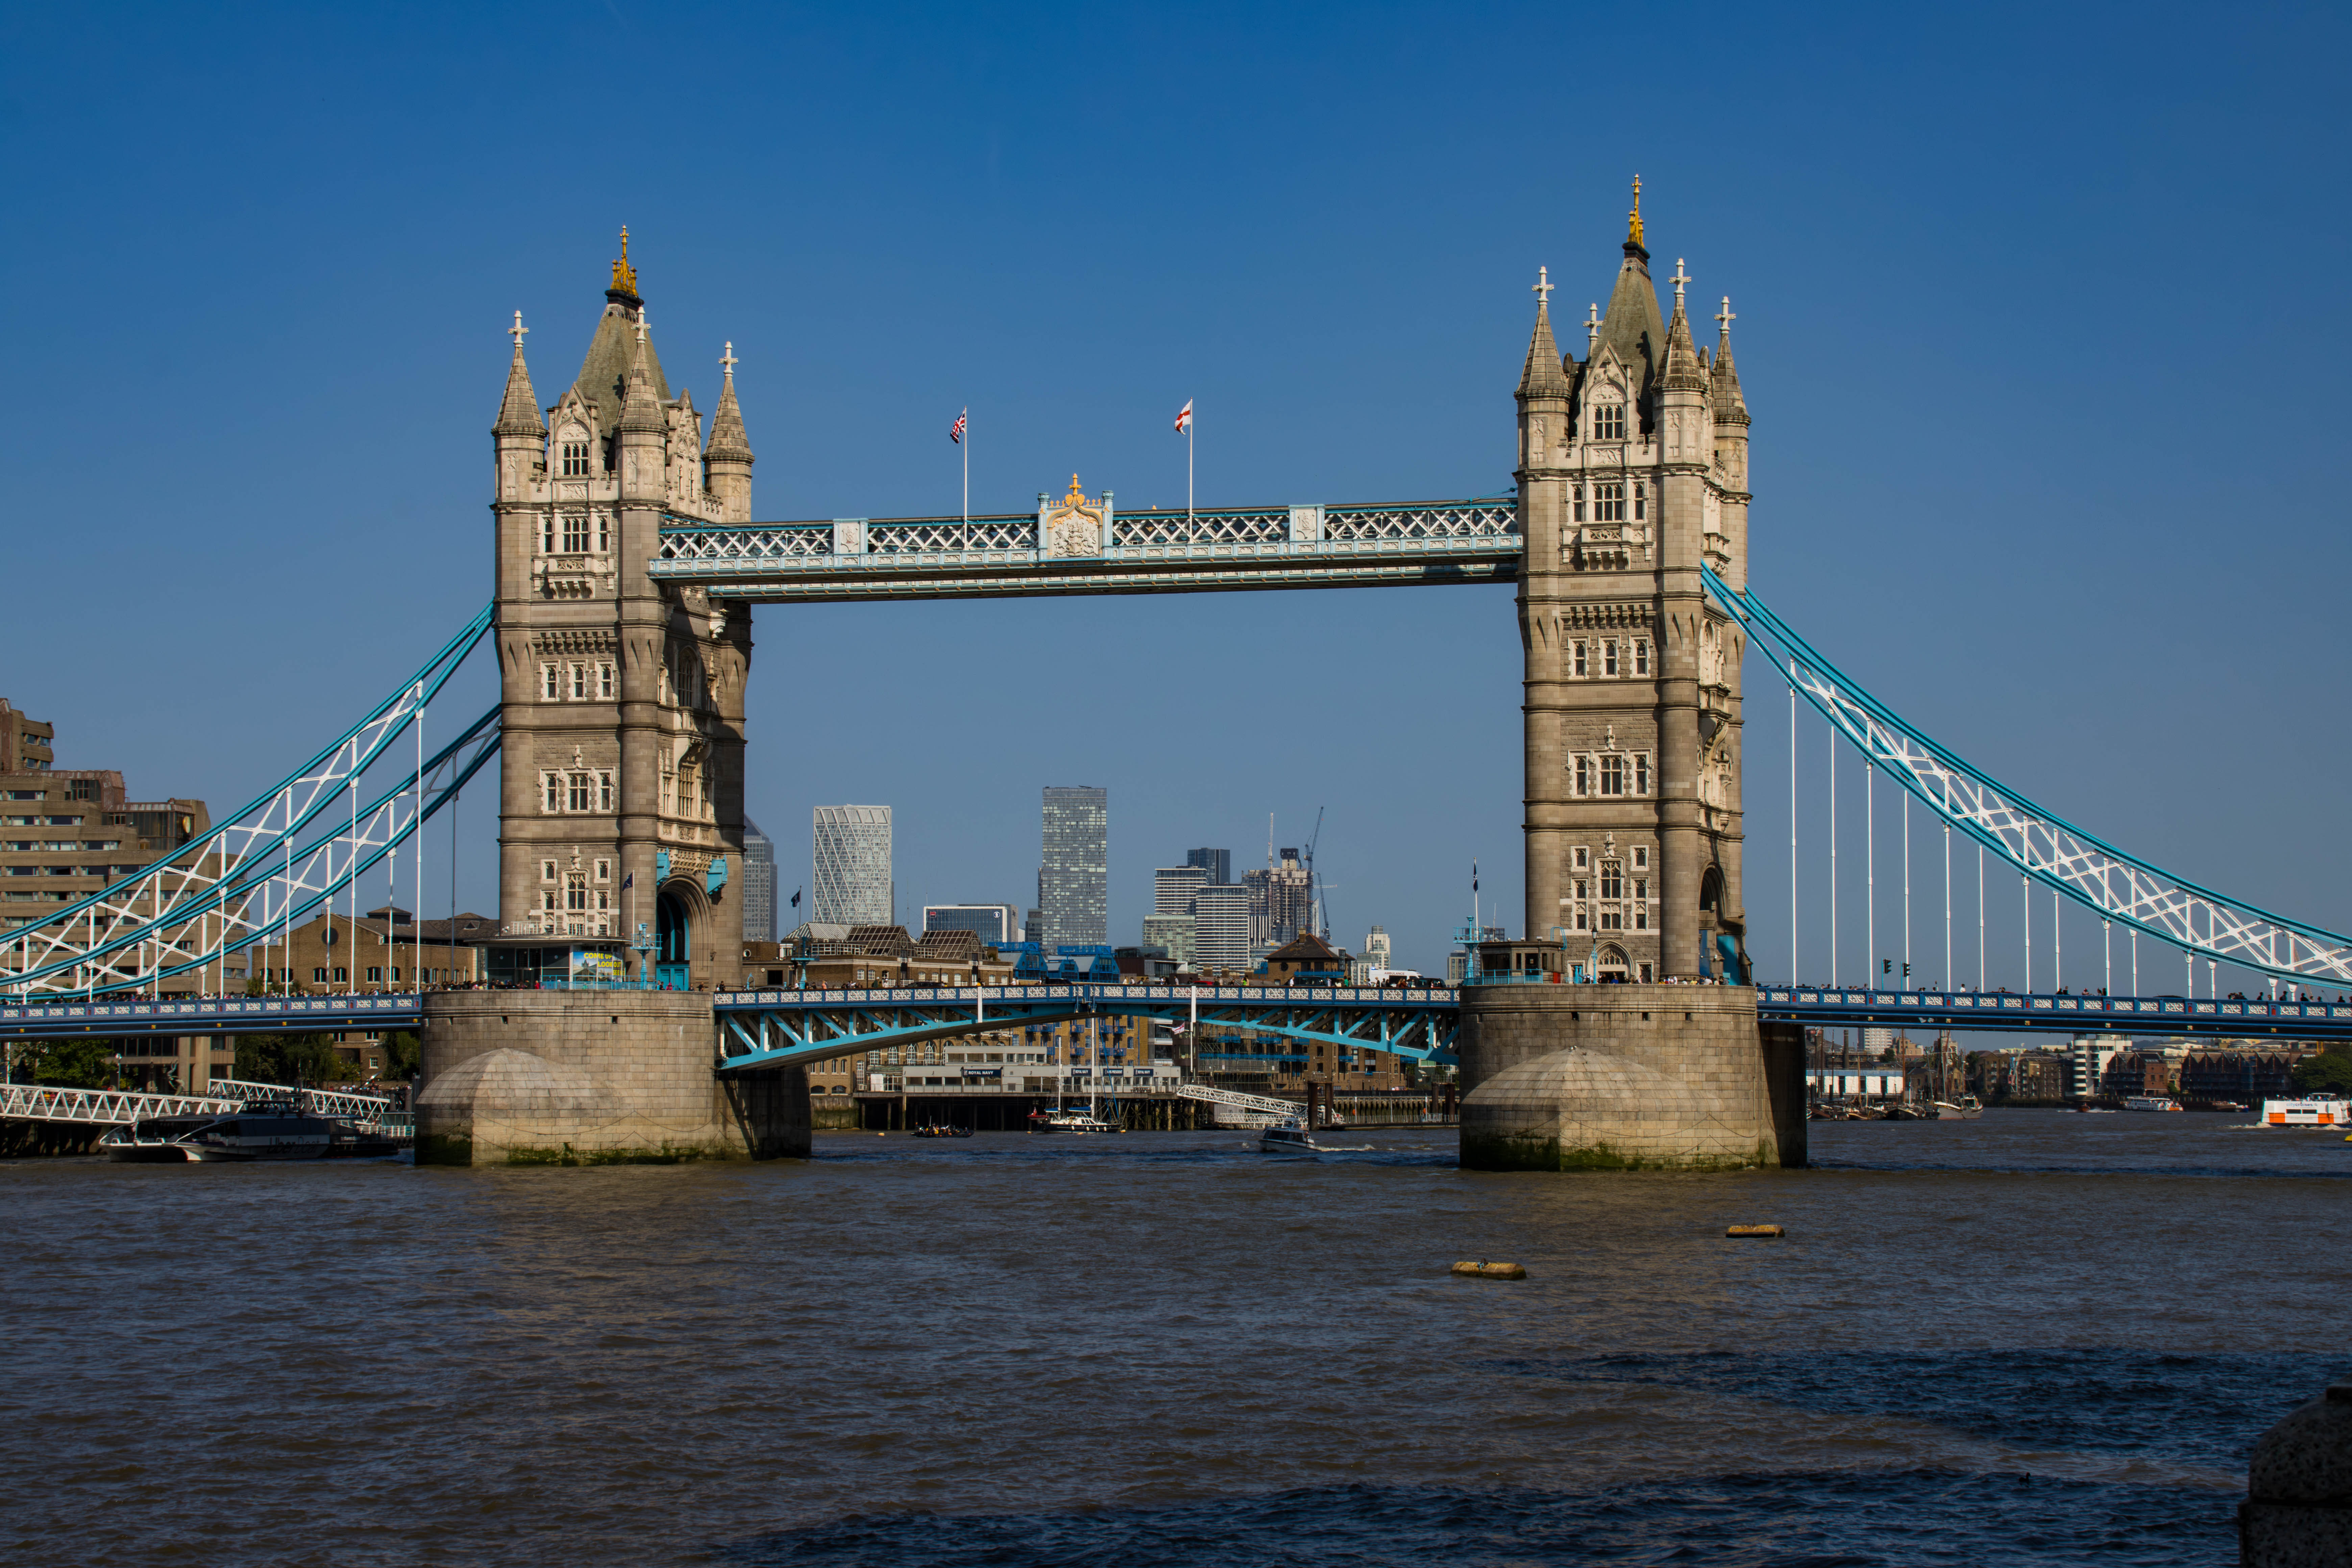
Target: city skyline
{"x":1892,"y":558}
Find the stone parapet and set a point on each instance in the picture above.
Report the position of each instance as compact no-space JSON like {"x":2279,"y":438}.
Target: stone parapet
{"x":1562,"y":1078}
{"x":593,"y":1078}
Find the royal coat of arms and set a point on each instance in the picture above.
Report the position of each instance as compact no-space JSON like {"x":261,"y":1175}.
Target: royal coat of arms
{"x":1075,"y":527}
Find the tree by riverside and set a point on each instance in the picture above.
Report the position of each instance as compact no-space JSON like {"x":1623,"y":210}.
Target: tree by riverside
{"x":71,"y":1064}
{"x":2330,"y":1071}
{"x":291,"y":1060}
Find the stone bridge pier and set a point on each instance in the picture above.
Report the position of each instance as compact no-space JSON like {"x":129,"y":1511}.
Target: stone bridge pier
{"x":593,"y":1078}
{"x":1613,"y":1078}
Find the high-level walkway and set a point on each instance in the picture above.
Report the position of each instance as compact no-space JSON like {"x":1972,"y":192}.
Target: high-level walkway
{"x":1335,"y":546}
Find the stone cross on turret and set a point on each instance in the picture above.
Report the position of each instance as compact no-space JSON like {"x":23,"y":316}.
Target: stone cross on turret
{"x":1726,"y":316}
{"x":1592,"y":327}
{"x":518,"y":331}
{"x":1680,"y":280}
{"x":1541,"y":287}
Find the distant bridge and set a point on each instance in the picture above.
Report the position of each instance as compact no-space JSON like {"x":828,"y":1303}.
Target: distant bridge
{"x":2200,"y":1018}
{"x":113,"y":1017}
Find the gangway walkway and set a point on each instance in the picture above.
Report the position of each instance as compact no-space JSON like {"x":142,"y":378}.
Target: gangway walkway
{"x":1256,"y":1105}
{"x":121,"y":1108}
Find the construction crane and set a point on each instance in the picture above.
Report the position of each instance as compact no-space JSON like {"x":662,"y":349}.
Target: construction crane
{"x":1317,"y":914}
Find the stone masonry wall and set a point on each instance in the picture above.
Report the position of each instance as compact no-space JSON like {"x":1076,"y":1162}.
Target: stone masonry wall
{"x":587,"y":1077}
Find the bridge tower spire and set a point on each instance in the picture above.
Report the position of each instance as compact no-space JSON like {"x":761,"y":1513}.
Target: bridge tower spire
{"x":727,"y":457}
{"x":1631,"y":679}
{"x":620,"y":800}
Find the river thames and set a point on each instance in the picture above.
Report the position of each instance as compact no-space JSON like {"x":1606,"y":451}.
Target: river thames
{"x":2037,"y":1337}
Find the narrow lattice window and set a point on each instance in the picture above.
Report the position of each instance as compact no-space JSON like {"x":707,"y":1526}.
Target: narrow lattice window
{"x":1584,"y":775}
{"x":1612,"y":773}
{"x":1641,"y":655}
{"x":575,"y":892}
{"x":1641,"y":501}
{"x":603,"y":803}
{"x":546,"y":534}
{"x":1609,"y":503}
{"x":580,"y":788}
{"x":1578,"y":501}
{"x":1608,"y":658}
{"x":1608,"y":422}
{"x":1642,"y":776}
{"x":604,"y":681}
{"x":554,"y":782}
{"x":579,"y":683}
{"x":1582,"y":659}
{"x":575,"y":460}
{"x":575,"y":534}
{"x":550,"y":682}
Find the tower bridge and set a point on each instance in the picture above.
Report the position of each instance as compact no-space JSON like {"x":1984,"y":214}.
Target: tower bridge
{"x":626,"y":561}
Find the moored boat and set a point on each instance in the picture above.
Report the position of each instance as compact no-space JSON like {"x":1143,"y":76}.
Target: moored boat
{"x":260,"y":1130}
{"x":1069,"y":1122}
{"x":2151,"y":1102}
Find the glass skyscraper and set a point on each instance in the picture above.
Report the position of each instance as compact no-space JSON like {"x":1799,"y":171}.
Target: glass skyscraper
{"x":759,"y":884}
{"x":850,"y":879}
{"x":1218,"y":863}
{"x":1073,"y":879}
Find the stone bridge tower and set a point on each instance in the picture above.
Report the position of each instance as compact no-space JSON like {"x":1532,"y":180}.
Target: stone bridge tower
{"x":1633,"y":473}
{"x":620,"y":802}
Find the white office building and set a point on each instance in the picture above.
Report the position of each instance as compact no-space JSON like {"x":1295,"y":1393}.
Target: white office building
{"x":849,"y":881}
{"x":1221,"y":926}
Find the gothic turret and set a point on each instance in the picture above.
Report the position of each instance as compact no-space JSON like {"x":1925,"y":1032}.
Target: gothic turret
{"x":1633,"y":327}
{"x":729,"y":455}
{"x":519,"y":434}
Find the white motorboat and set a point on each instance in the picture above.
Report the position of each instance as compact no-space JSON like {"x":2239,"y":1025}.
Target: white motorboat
{"x":2151,"y":1102}
{"x":1967,"y":1107}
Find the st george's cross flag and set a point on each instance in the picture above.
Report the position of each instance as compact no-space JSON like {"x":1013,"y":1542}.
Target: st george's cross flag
{"x":955,"y":431}
{"x":1184,"y":419}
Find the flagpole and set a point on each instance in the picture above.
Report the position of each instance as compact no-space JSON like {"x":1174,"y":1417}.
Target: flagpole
{"x":1187,"y":465}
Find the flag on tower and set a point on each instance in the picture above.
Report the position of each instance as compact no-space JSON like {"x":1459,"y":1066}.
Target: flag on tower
{"x":1474,"y":875}
{"x":628,"y":881}
{"x":955,"y":431}
{"x":1185,"y":417}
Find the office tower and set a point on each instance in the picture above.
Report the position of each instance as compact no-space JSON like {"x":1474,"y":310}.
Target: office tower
{"x":1376,"y":948}
{"x":1218,"y":863}
{"x":1221,"y":927}
{"x":1074,"y":880}
{"x":1281,"y":900}
{"x":759,"y":884}
{"x":994,"y":924}
{"x":1172,"y":935}
{"x":1173,"y":888}
{"x":850,"y":881}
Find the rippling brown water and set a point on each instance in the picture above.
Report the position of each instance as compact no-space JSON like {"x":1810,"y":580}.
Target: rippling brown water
{"x":2032,"y":1338}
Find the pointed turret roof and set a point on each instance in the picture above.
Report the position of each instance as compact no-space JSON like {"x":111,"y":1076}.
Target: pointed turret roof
{"x":1728,"y":402}
{"x":1543,"y":376}
{"x":518,"y":414}
{"x":1682,"y":370}
{"x":603,"y":378}
{"x":642,"y":408}
{"x":727,"y":438}
{"x":1632,"y":325}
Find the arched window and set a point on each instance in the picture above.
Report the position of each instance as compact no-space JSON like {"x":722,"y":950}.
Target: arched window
{"x":574,"y":452}
{"x":1608,"y":422}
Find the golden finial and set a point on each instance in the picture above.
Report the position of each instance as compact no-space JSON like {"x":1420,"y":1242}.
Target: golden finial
{"x":625,"y":277}
{"x":1634,"y":230}
{"x":1075,"y":495}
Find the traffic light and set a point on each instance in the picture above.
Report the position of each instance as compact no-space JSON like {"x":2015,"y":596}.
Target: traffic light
{"x":1906,"y":969}
{"x":1886,"y":966}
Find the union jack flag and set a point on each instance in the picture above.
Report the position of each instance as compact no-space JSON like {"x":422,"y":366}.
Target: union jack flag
{"x":955,"y":431}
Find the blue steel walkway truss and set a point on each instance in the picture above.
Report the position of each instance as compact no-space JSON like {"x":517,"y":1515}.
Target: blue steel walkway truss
{"x":2199,"y":1017}
{"x":780,"y":1028}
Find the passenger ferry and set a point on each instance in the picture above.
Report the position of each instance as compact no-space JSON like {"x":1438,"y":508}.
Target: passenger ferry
{"x":2329,"y":1112}
{"x":2151,"y":1102}
{"x":261,"y":1129}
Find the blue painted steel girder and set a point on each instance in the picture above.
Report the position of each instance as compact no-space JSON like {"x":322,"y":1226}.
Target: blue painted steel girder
{"x":776,"y":1028}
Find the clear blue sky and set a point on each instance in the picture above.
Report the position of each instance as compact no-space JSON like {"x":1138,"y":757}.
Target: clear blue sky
{"x":2040,"y":323}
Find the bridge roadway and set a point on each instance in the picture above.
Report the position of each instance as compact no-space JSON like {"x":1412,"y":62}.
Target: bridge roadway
{"x":762,"y":1028}
{"x":119,"y":1016}
{"x":1373,"y":544}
